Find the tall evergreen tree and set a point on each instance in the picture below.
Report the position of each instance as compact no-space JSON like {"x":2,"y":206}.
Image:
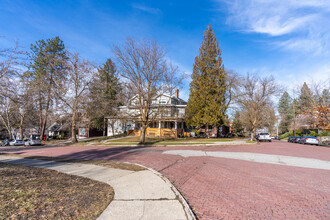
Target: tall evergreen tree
{"x":305,"y":99}
{"x":104,"y":90}
{"x":285,"y":110}
{"x":206,"y":104}
{"x":47,"y":72}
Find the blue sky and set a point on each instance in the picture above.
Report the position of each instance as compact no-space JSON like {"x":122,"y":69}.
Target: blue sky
{"x":289,"y":39}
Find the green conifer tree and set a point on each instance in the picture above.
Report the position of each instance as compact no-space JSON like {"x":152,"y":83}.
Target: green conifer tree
{"x":47,"y":72}
{"x":206,"y":104}
{"x":305,"y":99}
{"x":104,"y":90}
{"x":285,"y":110}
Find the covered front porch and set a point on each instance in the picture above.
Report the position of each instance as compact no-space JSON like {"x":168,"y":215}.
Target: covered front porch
{"x":169,"y":128}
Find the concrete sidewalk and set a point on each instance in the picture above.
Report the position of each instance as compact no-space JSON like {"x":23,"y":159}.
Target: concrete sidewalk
{"x":138,"y":194}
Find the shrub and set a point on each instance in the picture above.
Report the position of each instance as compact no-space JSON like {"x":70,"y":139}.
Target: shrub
{"x":285,"y":135}
{"x":298,"y":132}
{"x":325,"y":133}
{"x":313,"y":133}
{"x":196,"y":131}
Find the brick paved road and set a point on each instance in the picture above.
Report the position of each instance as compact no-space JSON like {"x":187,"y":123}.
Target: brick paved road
{"x":219,"y":188}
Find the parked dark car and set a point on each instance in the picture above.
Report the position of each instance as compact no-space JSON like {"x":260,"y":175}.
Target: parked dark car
{"x":297,"y":139}
{"x":5,"y":142}
{"x":277,"y":138}
{"x":291,"y":139}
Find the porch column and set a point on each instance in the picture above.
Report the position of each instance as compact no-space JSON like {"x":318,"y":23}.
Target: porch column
{"x":159,"y":124}
{"x":182,"y":123}
{"x":176,"y":125}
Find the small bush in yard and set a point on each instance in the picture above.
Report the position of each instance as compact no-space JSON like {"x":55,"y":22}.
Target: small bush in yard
{"x":325,"y":133}
{"x":313,"y":133}
{"x":285,"y":135}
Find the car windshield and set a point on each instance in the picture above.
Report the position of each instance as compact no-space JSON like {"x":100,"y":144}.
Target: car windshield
{"x":310,"y":137}
{"x":264,"y":134}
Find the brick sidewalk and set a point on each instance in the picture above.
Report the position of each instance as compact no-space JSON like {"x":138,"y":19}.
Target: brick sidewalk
{"x":219,"y":188}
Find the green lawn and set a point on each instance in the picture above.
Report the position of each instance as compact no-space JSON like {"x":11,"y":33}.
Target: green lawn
{"x":251,"y":142}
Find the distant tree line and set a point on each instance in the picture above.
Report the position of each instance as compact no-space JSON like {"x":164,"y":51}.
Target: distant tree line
{"x":48,"y":82}
{"x":309,"y":106}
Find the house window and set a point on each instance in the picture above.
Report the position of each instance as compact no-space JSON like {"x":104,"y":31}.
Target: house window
{"x":162,"y":101}
{"x":169,"y":124}
{"x":153,"y":125}
{"x":82,"y":131}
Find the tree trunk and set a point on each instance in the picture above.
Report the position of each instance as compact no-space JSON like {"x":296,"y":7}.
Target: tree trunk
{"x":73,"y":128}
{"x":143,"y":134}
{"x":113,"y":128}
{"x":21,"y":131}
{"x":9,"y":133}
{"x":207,"y":130}
{"x":44,"y":123}
{"x":104,"y":125}
{"x":40,"y":114}
{"x":253,"y":134}
{"x":7,"y":125}
{"x":21,"y":125}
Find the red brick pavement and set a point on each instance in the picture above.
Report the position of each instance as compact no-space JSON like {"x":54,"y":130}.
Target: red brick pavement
{"x":219,"y":188}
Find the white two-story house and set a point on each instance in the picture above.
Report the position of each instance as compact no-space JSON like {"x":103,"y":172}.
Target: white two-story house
{"x":167,"y":117}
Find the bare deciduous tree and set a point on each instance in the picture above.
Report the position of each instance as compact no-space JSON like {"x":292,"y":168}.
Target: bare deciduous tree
{"x":6,"y":106}
{"x":147,"y":74}
{"x":79,"y":74}
{"x":321,"y":103}
{"x":10,"y":60}
{"x":254,"y":99}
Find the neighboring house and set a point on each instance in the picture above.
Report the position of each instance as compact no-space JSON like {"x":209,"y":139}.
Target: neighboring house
{"x":168,"y":113}
{"x":31,"y":131}
{"x":85,"y":130}
{"x":59,"y":130}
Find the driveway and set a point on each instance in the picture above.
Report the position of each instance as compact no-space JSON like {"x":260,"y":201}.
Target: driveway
{"x":277,"y":180}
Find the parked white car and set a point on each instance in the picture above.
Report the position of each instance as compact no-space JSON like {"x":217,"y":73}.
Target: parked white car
{"x":31,"y":142}
{"x":16,"y":143}
{"x":264,"y":137}
{"x":309,"y":140}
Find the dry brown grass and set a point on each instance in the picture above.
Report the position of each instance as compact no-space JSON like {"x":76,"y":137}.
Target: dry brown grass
{"x":35,"y":193}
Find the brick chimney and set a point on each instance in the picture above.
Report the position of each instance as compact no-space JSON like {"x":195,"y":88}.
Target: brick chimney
{"x":177,"y":93}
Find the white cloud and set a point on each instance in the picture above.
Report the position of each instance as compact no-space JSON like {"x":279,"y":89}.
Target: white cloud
{"x":147,"y":9}
{"x":302,"y":24}
{"x":275,"y":26}
{"x":291,"y":81}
